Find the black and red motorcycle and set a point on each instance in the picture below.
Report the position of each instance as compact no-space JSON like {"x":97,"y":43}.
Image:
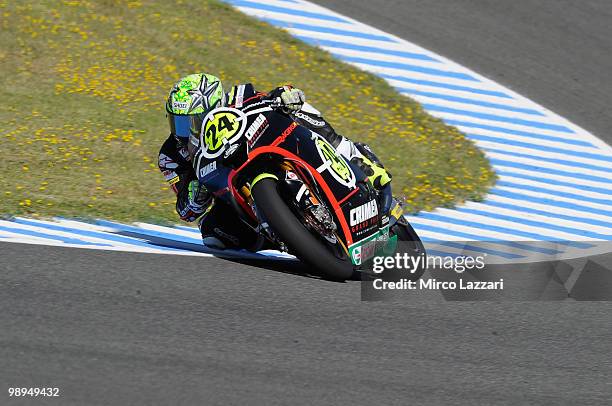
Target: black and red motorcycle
{"x":291,"y":186}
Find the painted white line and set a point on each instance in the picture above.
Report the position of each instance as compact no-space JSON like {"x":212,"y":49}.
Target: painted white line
{"x":555,"y":198}
{"x":480,"y":109}
{"x":424,"y":233}
{"x":508,"y":126}
{"x":382,"y":70}
{"x":502,"y":122}
{"x":476,"y":231}
{"x":111,"y":248}
{"x":494,"y":211}
{"x":297,"y":6}
{"x":535,"y":162}
{"x":555,"y":188}
{"x":495,"y":221}
{"x":568,"y":156}
{"x":8,"y":235}
{"x":296,"y":19}
{"x":170,"y":230}
{"x":502,"y":169}
{"x":553,"y":212}
{"x":41,"y":228}
{"x":533,"y":139}
{"x":381,"y":57}
{"x":322,"y":38}
{"x":408,"y":89}
{"x":78,"y":225}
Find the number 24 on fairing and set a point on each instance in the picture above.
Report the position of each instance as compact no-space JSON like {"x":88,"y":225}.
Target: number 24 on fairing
{"x":222,"y":126}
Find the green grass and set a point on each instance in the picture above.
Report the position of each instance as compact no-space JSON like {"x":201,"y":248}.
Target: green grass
{"x":84,"y":85}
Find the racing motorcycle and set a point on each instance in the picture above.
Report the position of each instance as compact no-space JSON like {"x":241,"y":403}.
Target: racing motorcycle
{"x":290,"y":185}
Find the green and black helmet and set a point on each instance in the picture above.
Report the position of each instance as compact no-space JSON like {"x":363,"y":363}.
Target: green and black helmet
{"x":190,"y":99}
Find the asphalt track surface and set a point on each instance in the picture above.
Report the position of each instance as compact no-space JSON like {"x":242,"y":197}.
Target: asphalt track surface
{"x":127,"y":328}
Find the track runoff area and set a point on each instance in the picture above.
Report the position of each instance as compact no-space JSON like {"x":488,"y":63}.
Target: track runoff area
{"x":553,"y":199}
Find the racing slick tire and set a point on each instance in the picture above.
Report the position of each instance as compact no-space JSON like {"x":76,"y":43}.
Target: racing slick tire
{"x":292,"y":232}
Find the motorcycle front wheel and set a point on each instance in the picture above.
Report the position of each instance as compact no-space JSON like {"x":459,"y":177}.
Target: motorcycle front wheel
{"x":292,"y":232}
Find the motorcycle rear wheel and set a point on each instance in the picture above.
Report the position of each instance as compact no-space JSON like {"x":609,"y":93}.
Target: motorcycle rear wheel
{"x":410,"y":243}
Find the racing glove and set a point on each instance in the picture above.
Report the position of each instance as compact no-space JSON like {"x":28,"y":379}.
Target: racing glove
{"x":194,"y":202}
{"x":289,"y":98}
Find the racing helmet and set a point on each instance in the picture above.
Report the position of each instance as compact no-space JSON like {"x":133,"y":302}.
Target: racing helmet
{"x":190,"y":99}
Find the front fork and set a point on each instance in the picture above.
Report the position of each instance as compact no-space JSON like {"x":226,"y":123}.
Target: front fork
{"x":302,"y":201}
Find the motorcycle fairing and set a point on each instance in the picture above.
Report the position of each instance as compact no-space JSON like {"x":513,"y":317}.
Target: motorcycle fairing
{"x":268,"y":133}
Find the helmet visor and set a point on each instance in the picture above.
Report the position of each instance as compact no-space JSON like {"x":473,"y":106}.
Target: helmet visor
{"x":182,"y":126}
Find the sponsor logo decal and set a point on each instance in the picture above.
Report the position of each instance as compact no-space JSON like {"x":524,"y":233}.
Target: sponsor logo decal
{"x":171,"y":176}
{"x":291,"y":176}
{"x":260,"y":124}
{"x":180,"y":105}
{"x":230,"y":150}
{"x":165,"y":162}
{"x":240,"y":96}
{"x":357,"y":256}
{"x":397,"y":211}
{"x":368,"y":248}
{"x":184,"y":153}
{"x":363,"y":213}
{"x":308,"y":119}
{"x":288,"y":130}
{"x":251,"y":106}
{"x":208,"y":169}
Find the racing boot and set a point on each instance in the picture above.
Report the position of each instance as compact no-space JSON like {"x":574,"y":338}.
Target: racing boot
{"x":361,"y":155}
{"x":371,"y":166}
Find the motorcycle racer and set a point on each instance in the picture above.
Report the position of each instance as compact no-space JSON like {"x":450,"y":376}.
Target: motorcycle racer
{"x":190,"y":99}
